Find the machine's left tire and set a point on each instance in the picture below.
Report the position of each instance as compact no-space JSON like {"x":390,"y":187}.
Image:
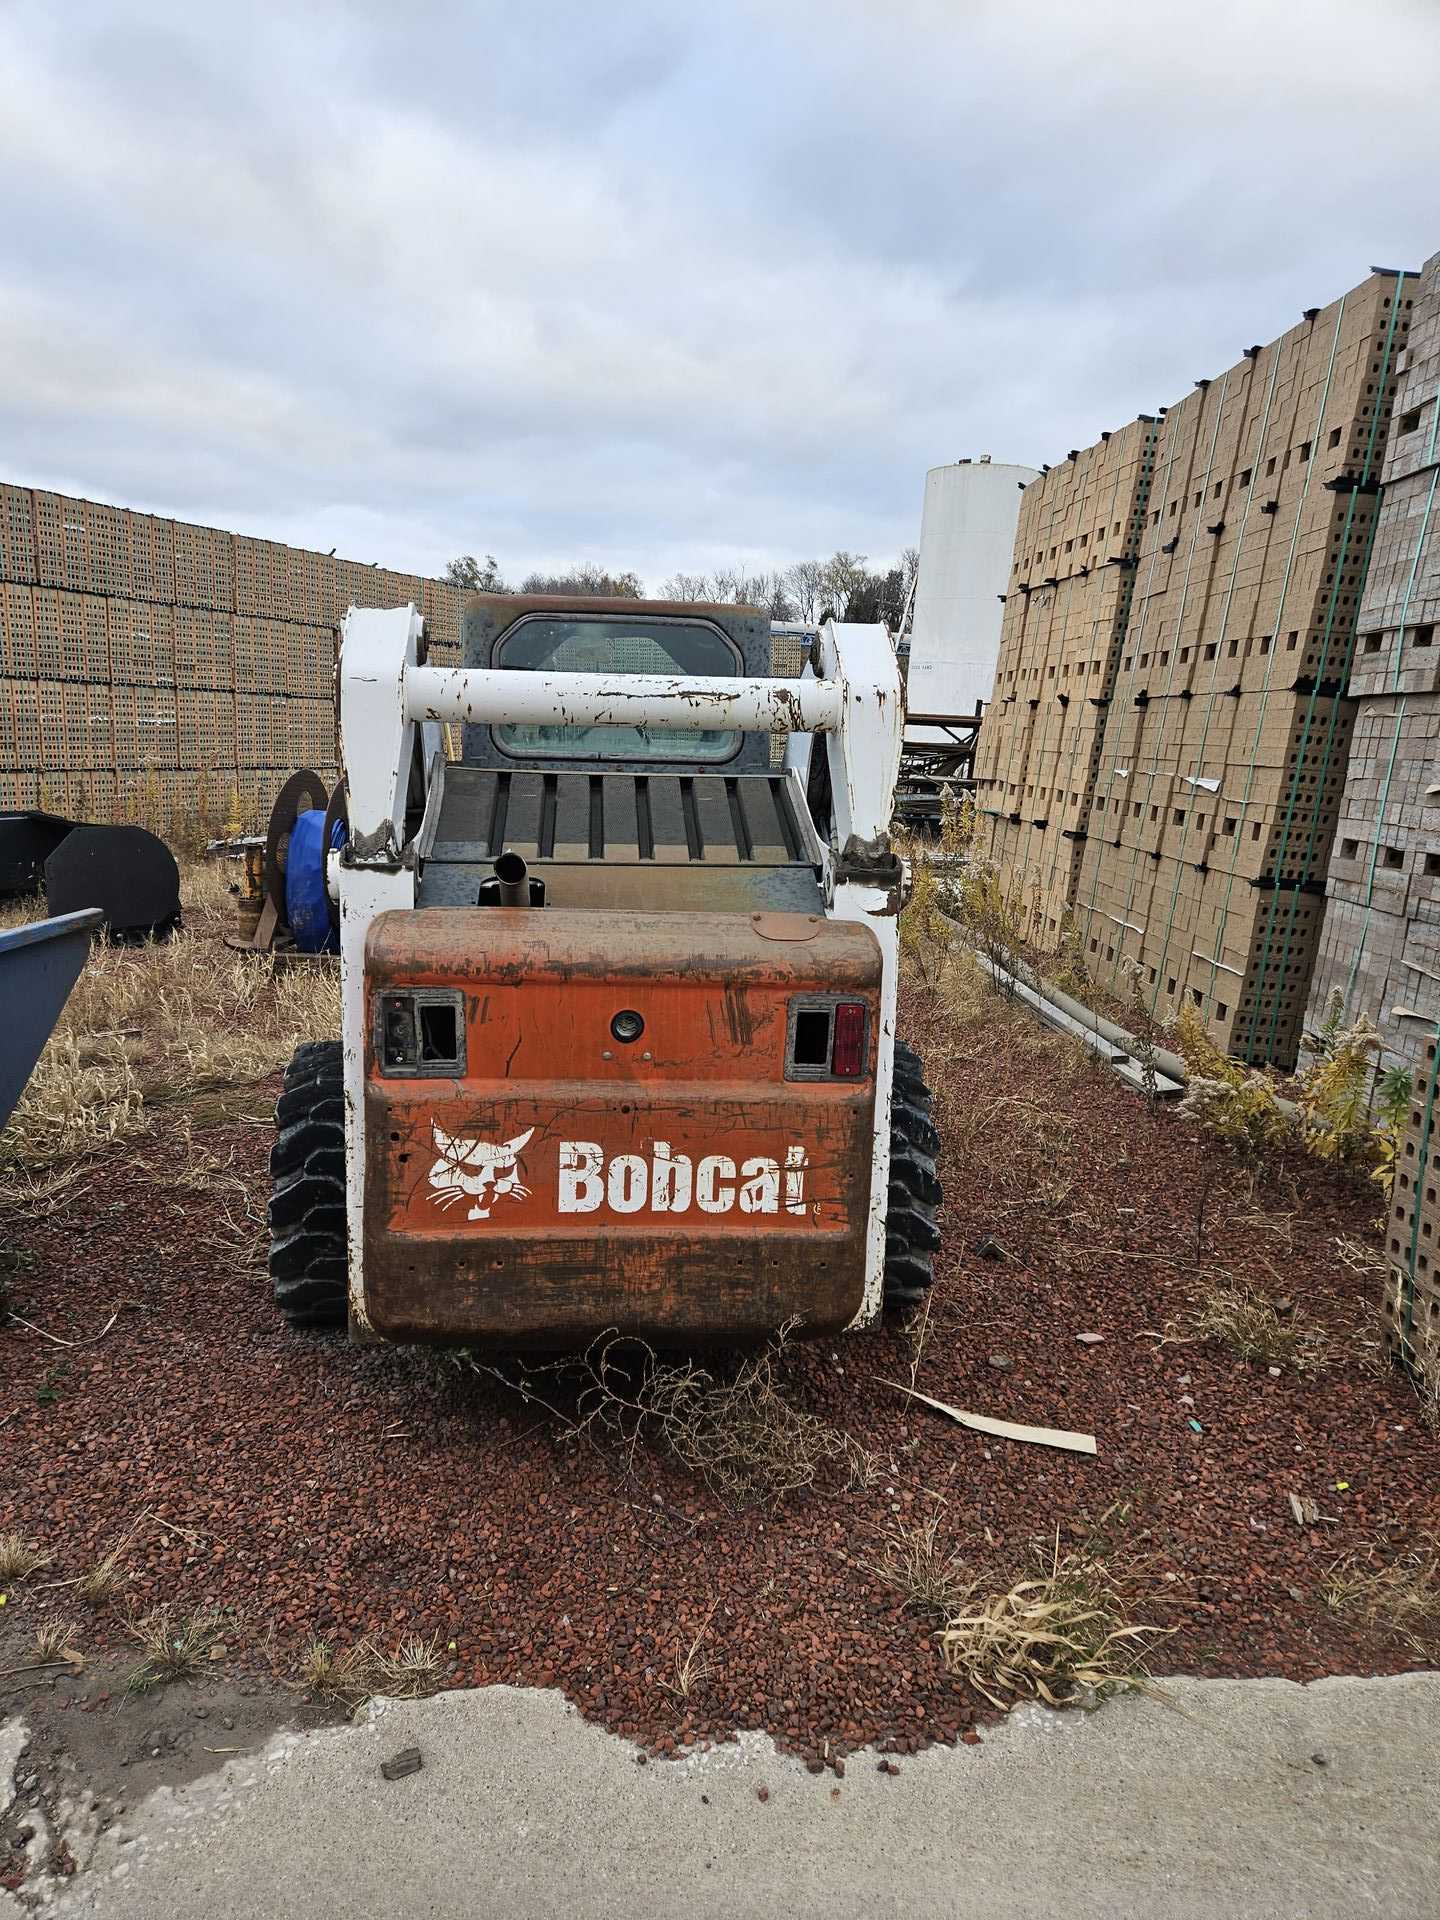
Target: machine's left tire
{"x":911,"y":1235}
{"x":309,"y":1265}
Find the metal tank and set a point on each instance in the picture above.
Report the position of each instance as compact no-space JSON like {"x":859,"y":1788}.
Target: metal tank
{"x":967,"y":534}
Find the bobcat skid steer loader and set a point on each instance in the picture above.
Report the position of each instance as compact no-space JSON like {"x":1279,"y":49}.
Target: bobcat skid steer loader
{"x":618,"y":993}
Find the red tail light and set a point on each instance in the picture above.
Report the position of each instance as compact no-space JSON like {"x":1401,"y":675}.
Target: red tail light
{"x":847,"y":1057}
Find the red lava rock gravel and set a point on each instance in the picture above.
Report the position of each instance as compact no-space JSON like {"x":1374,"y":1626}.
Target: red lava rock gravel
{"x":316,"y":1488}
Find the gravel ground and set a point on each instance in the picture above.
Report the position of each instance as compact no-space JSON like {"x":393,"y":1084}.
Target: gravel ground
{"x":313,"y":1488}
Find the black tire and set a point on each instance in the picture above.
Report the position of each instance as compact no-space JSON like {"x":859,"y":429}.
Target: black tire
{"x":308,"y":1255}
{"x":911,"y":1235}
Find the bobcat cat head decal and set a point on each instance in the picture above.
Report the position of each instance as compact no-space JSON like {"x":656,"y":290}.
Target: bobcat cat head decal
{"x":478,"y":1169}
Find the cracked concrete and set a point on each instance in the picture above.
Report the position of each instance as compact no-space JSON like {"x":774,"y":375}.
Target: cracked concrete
{"x":1255,"y":1800}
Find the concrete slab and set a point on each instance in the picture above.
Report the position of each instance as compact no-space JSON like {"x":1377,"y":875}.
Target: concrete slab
{"x":1243,"y":1799}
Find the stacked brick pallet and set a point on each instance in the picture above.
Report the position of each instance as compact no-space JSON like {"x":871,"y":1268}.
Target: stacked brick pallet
{"x":1412,"y":1303}
{"x":1227,"y":739}
{"x":1380,"y":943}
{"x":1214,"y":757}
{"x":1066,"y":613}
{"x":174,"y":673}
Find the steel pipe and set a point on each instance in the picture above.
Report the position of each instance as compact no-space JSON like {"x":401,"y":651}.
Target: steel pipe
{"x":669,"y":702}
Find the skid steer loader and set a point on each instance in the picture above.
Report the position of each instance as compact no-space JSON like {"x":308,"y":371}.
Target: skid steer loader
{"x":618,"y":992}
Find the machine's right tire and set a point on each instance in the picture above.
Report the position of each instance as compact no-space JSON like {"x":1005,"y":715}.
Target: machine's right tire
{"x":309,"y":1263}
{"x":911,"y":1235}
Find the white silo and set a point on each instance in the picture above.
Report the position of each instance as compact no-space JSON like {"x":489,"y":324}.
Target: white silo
{"x":967,"y":535}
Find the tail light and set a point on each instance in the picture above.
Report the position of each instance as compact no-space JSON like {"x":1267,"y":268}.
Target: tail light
{"x":826,"y":1039}
{"x":847,"y":1053}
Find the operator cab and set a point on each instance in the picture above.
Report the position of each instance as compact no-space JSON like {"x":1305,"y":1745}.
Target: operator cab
{"x":623,"y":816}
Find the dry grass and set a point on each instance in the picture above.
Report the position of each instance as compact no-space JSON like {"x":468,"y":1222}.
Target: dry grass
{"x":1245,"y":1320}
{"x":174,"y":1646}
{"x":55,"y":1641}
{"x":1399,"y":1594}
{"x":1427,"y":1395}
{"x":150,"y":1025}
{"x":359,"y":1673}
{"x":912,"y":1561}
{"x":741,"y":1435}
{"x":18,"y":1559}
{"x":1063,"y":1635}
{"x":692,"y":1669}
{"x":103,"y":1580}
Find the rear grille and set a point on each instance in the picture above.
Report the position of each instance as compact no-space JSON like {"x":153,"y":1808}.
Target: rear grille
{"x":573,"y":816}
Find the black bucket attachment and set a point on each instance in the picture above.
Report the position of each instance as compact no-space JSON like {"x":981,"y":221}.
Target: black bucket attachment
{"x":26,"y":842}
{"x":39,"y":964}
{"x":128,"y":873}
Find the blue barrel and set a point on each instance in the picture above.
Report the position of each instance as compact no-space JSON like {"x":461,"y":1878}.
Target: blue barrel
{"x":307,"y":904}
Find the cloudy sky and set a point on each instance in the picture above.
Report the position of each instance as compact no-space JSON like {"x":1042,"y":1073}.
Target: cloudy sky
{"x":654,"y":283}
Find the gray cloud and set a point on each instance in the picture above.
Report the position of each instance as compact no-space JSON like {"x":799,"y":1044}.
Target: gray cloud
{"x":658,"y":286}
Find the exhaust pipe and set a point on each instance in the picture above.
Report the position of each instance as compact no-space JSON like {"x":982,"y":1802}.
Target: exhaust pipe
{"x":514,"y":880}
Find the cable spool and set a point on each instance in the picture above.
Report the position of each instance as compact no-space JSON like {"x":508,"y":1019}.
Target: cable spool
{"x":307,"y":899}
{"x":337,"y":832}
{"x":301,"y":792}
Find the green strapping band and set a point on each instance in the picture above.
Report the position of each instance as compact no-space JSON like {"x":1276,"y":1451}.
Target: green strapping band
{"x":1297,"y":775}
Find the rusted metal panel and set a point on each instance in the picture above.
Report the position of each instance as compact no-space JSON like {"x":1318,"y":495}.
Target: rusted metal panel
{"x":677,"y":1186}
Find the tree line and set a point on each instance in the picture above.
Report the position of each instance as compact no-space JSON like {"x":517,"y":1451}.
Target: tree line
{"x":843,"y":587}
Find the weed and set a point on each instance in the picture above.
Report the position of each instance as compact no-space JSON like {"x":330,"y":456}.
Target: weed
{"x":1061,"y":1635}
{"x":173,"y":1646}
{"x":1334,"y":1106}
{"x":1427,"y":1393}
{"x":1237,"y":1104}
{"x":18,"y":1559}
{"x":1068,"y":970}
{"x":926,"y":931}
{"x":989,"y":917}
{"x":1240,"y":1317}
{"x":912,"y":1561}
{"x":1143,"y":1031}
{"x":358,"y":1673}
{"x":742,"y":1436}
{"x":103,"y":1579}
{"x":1394,"y":1091}
{"x":55,"y":1640}
{"x":692,"y":1669}
{"x":1399,"y":1594}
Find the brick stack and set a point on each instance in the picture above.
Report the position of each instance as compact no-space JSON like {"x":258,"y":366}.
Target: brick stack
{"x":173,"y":673}
{"x":1412,"y":1302}
{"x":1066,"y":612}
{"x":1380,"y":942}
{"x":1225,"y":746}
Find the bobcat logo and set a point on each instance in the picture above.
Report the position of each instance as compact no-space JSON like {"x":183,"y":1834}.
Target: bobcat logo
{"x":476,"y":1168}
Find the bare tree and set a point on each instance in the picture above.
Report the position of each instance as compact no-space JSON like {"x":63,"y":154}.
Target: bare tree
{"x":726,"y":584}
{"x":588,"y":579}
{"x":803,"y":583}
{"x":688,"y":587}
{"x":772,"y":593}
{"x":467,"y":572}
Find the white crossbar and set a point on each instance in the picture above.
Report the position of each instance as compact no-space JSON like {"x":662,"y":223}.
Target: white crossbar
{"x":673,"y":702}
